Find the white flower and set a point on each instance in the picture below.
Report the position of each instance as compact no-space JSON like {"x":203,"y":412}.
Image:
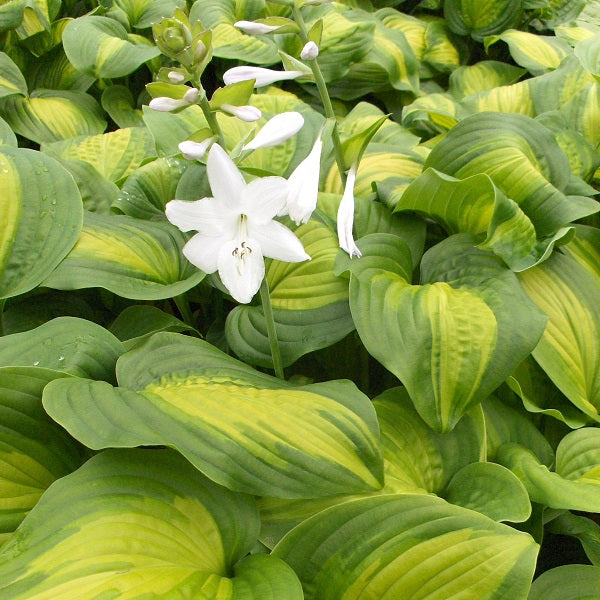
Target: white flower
{"x":276,"y":130}
{"x":262,"y":76}
{"x":310,"y":51}
{"x":345,"y":217}
{"x":236,"y":227}
{"x":303,"y":188}
{"x":255,"y":28}
{"x":194,"y":150}
{"x":245,"y":113}
{"x":166,"y":104}
{"x":175,"y":77}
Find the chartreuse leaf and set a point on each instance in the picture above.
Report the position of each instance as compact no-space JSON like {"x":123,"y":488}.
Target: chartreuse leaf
{"x":479,"y":18}
{"x":585,"y":248}
{"x":575,"y":483}
{"x":569,"y":350}
{"x":585,"y":530}
{"x":66,"y":345}
{"x":142,"y":13}
{"x":238,"y":426}
{"x":523,"y":160}
{"x":41,"y":215}
{"x":130,"y":257}
{"x":482,"y":76}
{"x":407,"y":546}
{"x":34,"y":450}
{"x":536,"y":53}
{"x":475,"y":205}
{"x":567,"y":582}
{"x":141,"y":524}
{"x":102,"y":48}
{"x":452,"y":340}
{"x":432,"y":114}
{"x":310,"y":304}
{"x":416,"y":460}
{"x":115,"y":154}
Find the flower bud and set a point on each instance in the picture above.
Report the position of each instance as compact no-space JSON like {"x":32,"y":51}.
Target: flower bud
{"x":310,"y":51}
{"x":165,"y":104}
{"x":255,"y":28}
{"x":245,"y":113}
{"x":191,"y":95}
{"x":276,"y":130}
{"x":175,"y":77}
{"x":262,"y":76}
{"x":195,"y":150}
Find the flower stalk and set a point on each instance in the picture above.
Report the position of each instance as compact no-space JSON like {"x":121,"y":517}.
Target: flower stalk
{"x":265,"y":298}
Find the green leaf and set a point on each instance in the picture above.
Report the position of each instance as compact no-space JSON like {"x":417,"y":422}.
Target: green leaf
{"x":452,"y":340}
{"x":567,"y":582}
{"x":585,"y":530}
{"x":65,"y":345}
{"x":236,"y":425}
{"x":142,"y":13}
{"x":569,"y":350}
{"x":7,"y":136}
{"x":407,"y":546}
{"x":491,"y":490}
{"x":41,"y":215}
{"x":100,"y":47}
{"x":150,"y":526}
{"x":115,"y":154}
{"x":11,"y":79}
{"x":482,"y":76}
{"x":354,"y":147}
{"x":34,"y":450}
{"x":130,"y":257}
{"x":481,"y":18}
{"x":119,"y":103}
{"x":588,"y":53}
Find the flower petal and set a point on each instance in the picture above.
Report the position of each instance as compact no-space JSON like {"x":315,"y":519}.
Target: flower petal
{"x":277,"y":130}
{"x":207,"y":216}
{"x":304,"y":186}
{"x":277,"y":241}
{"x":263,"y":198}
{"x":203,"y":251}
{"x":241,"y":268}
{"x":226,"y":181}
{"x":345,"y":217}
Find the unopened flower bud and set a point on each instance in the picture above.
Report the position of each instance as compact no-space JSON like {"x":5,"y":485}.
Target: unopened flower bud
{"x":261,"y":75}
{"x":245,"y":113}
{"x":255,"y":28}
{"x":165,"y":104}
{"x":194,"y":150}
{"x":310,"y":51}
{"x":191,"y":95}
{"x":277,"y":130}
{"x":175,"y":77}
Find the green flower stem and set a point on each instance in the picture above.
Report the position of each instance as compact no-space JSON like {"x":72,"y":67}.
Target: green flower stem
{"x":265,"y":298}
{"x":211,"y":119}
{"x":183,"y":305}
{"x":2,"y":303}
{"x":323,"y":93}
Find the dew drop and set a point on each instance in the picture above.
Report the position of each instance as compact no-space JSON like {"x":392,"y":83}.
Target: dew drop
{"x":36,"y":363}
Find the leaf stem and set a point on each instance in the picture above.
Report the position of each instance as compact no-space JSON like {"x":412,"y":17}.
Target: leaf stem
{"x":211,"y":118}
{"x":265,"y":298}
{"x":323,"y":94}
{"x":183,"y":306}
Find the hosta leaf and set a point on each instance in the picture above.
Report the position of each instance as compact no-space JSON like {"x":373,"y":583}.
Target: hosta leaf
{"x":450,"y":341}
{"x":407,"y":546}
{"x":310,"y":304}
{"x":585,"y":248}
{"x":585,"y":530}
{"x":569,"y":350}
{"x":482,"y":76}
{"x":575,"y":483}
{"x":7,"y":136}
{"x":515,"y":98}
{"x":140,"y":524}
{"x":491,"y":490}
{"x":432,"y":113}
{"x":67,"y":345}
{"x":238,"y":426}
{"x":100,"y":47}
{"x":52,"y":115}
{"x":567,"y":582}
{"x":130,"y":257}
{"x":119,"y":103}
{"x":481,"y":18}
{"x":41,"y":215}
{"x":115,"y":154}
{"x":475,"y":205}
{"x":34,"y":450}
{"x":588,"y":53}
{"x":536,"y":53}
{"x":523,"y":160}
{"x":142,"y":13}
{"x":11,"y":79}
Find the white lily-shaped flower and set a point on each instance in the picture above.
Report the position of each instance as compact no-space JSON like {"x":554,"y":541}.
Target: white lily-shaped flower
{"x":236,"y":227}
{"x":276,"y":130}
{"x":303,"y":188}
{"x":345,"y":217}
{"x":261,"y":75}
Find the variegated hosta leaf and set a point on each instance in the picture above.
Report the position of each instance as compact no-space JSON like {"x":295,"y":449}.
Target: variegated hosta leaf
{"x":102,"y":48}
{"x":52,"y":115}
{"x":416,"y":460}
{"x":310,"y":304}
{"x":228,"y":41}
{"x":536,"y":53}
{"x":7,"y":136}
{"x":41,"y":218}
{"x":141,"y":524}
{"x":130,"y":257}
{"x":142,"y":13}
{"x":119,"y":103}
{"x":53,"y":71}
{"x":475,"y":205}
{"x":408,"y":546}
{"x":115,"y":154}
{"x":67,"y":345}
{"x":588,"y":53}
{"x":481,"y":17}
{"x":34,"y":450}
{"x":569,"y":351}
{"x":452,"y":340}
{"x":12,"y":81}
{"x":431,"y":114}
{"x":567,"y":582}
{"x":482,"y":76}
{"x":238,"y":426}
{"x":523,"y":160}
{"x":576,"y":482}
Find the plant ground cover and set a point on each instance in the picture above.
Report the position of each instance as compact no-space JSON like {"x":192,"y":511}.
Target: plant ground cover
{"x":299,"y":299}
